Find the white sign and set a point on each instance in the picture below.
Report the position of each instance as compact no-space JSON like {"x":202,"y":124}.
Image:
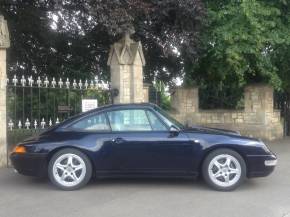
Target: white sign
{"x":89,"y":104}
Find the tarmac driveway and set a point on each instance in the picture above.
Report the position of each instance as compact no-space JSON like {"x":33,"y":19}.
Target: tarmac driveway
{"x":266,"y":197}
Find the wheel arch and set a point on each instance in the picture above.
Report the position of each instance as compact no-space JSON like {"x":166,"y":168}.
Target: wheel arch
{"x":55,"y":150}
{"x":222,"y":146}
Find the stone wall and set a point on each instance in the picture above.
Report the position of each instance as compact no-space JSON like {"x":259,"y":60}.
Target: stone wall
{"x":258,"y":119}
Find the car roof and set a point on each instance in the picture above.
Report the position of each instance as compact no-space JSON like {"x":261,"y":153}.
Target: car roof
{"x":125,"y":105}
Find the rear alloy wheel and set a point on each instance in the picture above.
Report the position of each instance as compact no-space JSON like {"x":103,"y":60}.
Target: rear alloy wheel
{"x":69,"y":169}
{"x":224,"y":169}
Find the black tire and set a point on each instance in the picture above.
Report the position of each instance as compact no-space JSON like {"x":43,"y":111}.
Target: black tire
{"x":211,"y":156}
{"x":88,"y":165}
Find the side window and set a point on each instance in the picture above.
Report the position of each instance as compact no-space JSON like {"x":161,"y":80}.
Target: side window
{"x":129,"y":120}
{"x":156,"y":124}
{"x":94,"y":123}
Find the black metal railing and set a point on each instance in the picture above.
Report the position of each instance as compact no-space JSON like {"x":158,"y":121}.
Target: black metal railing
{"x":282,"y":102}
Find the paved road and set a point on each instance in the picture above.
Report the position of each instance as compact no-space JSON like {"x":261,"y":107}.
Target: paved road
{"x":266,"y":197}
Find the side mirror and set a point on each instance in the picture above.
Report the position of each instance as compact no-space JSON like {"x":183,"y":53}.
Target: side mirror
{"x":173,"y":131}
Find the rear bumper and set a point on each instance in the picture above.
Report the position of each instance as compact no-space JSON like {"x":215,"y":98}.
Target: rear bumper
{"x":30,"y":164}
{"x":260,"y":165}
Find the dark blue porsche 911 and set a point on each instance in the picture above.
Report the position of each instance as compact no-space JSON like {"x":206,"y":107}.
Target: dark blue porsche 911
{"x":140,"y":140}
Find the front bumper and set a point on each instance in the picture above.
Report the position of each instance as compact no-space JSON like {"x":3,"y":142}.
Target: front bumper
{"x":30,"y":164}
{"x":260,"y":165}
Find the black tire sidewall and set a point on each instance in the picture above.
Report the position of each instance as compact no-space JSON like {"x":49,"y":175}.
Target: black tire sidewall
{"x":213,"y":154}
{"x":88,"y":164}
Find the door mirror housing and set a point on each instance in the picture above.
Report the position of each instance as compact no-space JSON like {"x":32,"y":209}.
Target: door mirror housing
{"x":174,"y":131}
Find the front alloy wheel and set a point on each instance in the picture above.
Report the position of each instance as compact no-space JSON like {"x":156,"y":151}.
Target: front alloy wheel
{"x":69,"y":169}
{"x":224,"y":169}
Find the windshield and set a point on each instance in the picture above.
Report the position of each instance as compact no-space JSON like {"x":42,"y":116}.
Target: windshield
{"x":168,"y":119}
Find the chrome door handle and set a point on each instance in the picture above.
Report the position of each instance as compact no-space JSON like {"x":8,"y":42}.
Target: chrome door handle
{"x":118,"y":140}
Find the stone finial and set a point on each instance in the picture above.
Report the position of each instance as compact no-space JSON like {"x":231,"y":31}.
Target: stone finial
{"x":4,"y":34}
{"x":125,"y":51}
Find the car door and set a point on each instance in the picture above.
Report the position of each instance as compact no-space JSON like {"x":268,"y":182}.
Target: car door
{"x":93,"y":135}
{"x":142,"y":143}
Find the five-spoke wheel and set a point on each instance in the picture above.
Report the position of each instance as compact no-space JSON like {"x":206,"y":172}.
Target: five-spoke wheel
{"x":224,"y":169}
{"x":69,"y":169}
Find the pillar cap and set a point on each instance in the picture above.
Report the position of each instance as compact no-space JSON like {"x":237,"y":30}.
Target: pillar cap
{"x":258,"y":86}
{"x":125,"y":51}
{"x":4,"y":34}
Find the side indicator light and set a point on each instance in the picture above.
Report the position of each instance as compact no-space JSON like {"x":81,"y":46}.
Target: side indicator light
{"x":270,"y":163}
{"x":19,"y":150}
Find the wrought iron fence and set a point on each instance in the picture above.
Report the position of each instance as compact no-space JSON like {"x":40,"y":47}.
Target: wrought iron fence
{"x":35,"y":104}
{"x":154,"y":95}
{"x":282,"y":102}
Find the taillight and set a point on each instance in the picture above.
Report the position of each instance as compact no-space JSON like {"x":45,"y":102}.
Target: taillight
{"x":19,"y":149}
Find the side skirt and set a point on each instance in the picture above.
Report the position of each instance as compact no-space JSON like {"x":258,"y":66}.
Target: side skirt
{"x":118,"y":174}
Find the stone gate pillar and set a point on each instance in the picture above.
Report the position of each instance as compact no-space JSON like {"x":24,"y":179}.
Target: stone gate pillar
{"x":4,"y":44}
{"x":259,"y":101}
{"x":126,"y":61}
{"x":185,"y":104}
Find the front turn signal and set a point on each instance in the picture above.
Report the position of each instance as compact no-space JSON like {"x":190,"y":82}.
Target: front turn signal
{"x":19,"y":150}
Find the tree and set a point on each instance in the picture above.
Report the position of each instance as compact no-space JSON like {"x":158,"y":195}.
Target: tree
{"x":72,"y":38}
{"x":240,"y":41}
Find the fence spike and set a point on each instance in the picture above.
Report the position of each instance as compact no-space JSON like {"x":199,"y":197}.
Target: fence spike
{"x":30,"y":81}
{"x":42,"y":123}
{"x":27,"y":123}
{"x":60,"y":83}
{"x":86,"y":84}
{"x":53,"y":83}
{"x":19,"y":124}
{"x":80,"y":84}
{"x":14,"y":80}
{"x":10,"y":124}
{"x":46,"y":82}
{"x":67,"y":83}
{"x":74,"y":84}
{"x":23,"y":81}
{"x":39,"y":82}
{"x":35,"y":124}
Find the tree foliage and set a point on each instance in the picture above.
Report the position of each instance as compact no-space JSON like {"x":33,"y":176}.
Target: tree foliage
{"x":242,"y":43}
{"x":72,"y":38}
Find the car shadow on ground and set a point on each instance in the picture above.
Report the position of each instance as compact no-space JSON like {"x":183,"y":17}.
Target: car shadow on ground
{"x":14,"y":180}
{"x":144,"y":183}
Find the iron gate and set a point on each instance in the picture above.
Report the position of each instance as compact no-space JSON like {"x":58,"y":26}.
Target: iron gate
{"x":34,"y":105}
{"x":282,"y":102}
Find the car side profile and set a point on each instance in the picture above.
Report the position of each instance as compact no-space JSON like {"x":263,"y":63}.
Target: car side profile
{"x":140,"y":140}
